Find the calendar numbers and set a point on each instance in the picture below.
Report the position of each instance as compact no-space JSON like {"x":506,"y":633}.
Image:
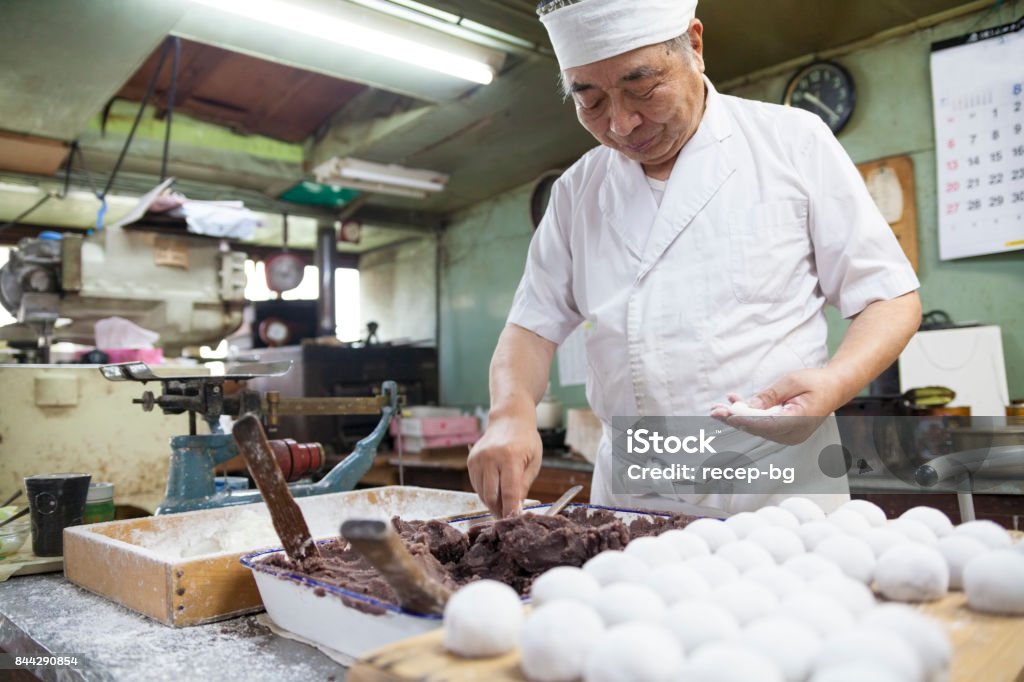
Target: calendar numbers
{"x":979,"y":133}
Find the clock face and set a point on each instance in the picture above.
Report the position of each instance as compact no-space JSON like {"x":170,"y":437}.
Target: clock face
{"x":284,"y":271}
{"x":826,"y":89}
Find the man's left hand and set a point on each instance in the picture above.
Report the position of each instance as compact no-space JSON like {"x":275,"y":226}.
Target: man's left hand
{"x":806,"y":398}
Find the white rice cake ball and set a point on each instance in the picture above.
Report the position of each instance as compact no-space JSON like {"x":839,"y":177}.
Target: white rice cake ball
{"x":852,"y":594}
{"x":482,"y":619}
{"x":818,"y":611}
{"x":696,"y":622}
{"x":744,"y":555}
{"x":912,"y":573}
{"x":813,"y":532}
{"x":914,"y":530}
{"x":780,"y":580}
{"x":564,"y":582}
{"x":958,"y":551}
{"x":652,"y":552}
{"x":872,"y":513}
{"x":676,"y":581}
{"x":746,"y":600}
{"x":714,"y":569}
{"x":782,"y":543}
{"x":613,"y":566}
{"x":803,"y":509}
{"x":810,"y":566}
{"x":777,"y":516}
{"x":926,"y":635}
{"x":686,"y":545}
{"x":994,"y":582}
{"x":851,"y":554}
{"x":989,"y":532}
{"x":633,"y":652}
{"x":791,"y":645}
{"x":856,"y":644}
{"x":744,"y":522}
{"x":849,"y":521}
{"x":935,"y":519}
{"x":881,"y":539}
{"x":624,"y":602}
{"x":713,"y":531}
{"x":552,"y":652}
{"x":729,"y":662}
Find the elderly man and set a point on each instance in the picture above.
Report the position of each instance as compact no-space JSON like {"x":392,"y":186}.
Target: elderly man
{"x":700,"y":243}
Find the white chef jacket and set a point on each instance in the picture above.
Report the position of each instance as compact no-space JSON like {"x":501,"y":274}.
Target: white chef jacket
{"x":722,"y":288}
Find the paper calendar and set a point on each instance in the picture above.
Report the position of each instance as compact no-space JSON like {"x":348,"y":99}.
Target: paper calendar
{"x":978,"y":97}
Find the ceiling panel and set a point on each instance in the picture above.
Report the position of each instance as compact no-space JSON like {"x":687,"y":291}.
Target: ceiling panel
{"x":244,"y":93}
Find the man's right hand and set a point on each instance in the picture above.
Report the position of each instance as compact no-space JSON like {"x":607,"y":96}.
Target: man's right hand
{"x":504,"y":463}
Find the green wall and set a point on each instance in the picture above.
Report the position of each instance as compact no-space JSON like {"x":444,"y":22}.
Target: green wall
{"x":485,"y":247}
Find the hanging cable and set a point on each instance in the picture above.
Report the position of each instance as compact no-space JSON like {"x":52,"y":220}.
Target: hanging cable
{"x":176,"y":41}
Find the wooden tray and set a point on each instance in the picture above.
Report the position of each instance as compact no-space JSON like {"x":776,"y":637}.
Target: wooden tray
{"x":985,"y":648}
{"x":121,"y":561}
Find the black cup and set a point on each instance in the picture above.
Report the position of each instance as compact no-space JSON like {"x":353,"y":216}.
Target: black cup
{"x":55,"y":501}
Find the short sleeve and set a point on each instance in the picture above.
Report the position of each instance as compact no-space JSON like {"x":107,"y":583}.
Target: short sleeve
{"x":858,"y":259}
{"x":544,"y":302}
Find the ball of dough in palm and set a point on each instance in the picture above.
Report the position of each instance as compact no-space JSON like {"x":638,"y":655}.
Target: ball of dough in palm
{"x":851,"y":646}
{"x":803,"y":509}
{"x":482,"y":619}
{"x":696,"y":622}
{"x":912,"y":573}
{"x":777,"y":516}
{"x":926,"y":635}
{"x":624,"y":602}
{"x":744,"y":555}
{"x":935,"y":519}
{"x":989,"y":532}
{"x":633,"y":652}
{"x":686,"y":545}
{"x":729,"y":662}
{"x":676,"y":581}
{"x":789,"y":644}
{"x":613,"y":566}
{"x":871,"y":512}
{"x":713,"y":531}
{"x":994,"y":582}
{"x":714,"y":569}
{"x":782,"y":543}
{"x":851,"y":554}
{"x":958,"y":551}
{"x":651,"y":551}
{"x":564,"y":582}
{"x":550,"y":649}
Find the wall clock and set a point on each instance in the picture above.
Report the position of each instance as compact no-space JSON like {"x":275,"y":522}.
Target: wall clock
{"x":826,"y":89}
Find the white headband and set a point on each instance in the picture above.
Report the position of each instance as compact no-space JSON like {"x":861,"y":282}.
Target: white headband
{"x":587,"y":31}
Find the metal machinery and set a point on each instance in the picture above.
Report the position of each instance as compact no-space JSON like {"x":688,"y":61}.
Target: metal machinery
{"x":190,"y":482}
{"x":189,"y":289}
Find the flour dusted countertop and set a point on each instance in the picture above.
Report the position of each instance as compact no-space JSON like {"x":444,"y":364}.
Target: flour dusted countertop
{"x":41,"y":615}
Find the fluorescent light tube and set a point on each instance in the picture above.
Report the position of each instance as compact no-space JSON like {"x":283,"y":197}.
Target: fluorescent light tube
{"x":335,"y":29}
{"x":379,"y":177}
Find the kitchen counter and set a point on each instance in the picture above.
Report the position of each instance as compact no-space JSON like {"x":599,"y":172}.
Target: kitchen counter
{"x":46,"y":615}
